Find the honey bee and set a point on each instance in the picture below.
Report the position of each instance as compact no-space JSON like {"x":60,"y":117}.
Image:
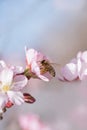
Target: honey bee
{"x":47,"y":67}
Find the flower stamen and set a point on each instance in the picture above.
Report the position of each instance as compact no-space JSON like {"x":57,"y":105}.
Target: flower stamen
{"x":5,"y":88}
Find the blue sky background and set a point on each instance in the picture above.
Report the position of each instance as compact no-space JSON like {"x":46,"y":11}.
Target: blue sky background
{"x":26,"y":22}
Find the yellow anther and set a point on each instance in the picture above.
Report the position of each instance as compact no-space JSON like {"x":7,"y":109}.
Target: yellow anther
{"x":6,"y":88}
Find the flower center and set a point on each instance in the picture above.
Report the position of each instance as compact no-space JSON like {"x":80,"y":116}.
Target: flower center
{"x":6,"y":88}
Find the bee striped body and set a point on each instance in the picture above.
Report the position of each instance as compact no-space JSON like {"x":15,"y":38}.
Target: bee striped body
{"x":47,"y":67}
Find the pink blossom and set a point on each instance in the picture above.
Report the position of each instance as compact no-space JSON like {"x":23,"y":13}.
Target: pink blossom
{"x":34,"y":60}
{"x":76,"y":68}
{"x":12,"y":81}
{"x":32,"y":122}
{"x":10,"y":87}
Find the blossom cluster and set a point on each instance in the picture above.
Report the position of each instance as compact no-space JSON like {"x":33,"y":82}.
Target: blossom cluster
{"x":14,"y":78}
{"x":75,"y":69}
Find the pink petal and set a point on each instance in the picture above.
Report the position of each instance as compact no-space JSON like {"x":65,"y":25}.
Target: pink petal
{"x":2,"y":64}
{"x":19,"y":82}
{"x":84,"y":56}
{"x":35,"y":68}
{"x":43,"y":78}
{"x":6,"y":76}
{"x":17,"y":69}
{"x":79,"y":66}
{"x":79,"y":55}
{"x":16,"y":97}
{"x":83,"y":71}
{"x":48,"y":75}
{"x":40,"y":57}
{"x":69,"y":72}
{"x":30,"y":55}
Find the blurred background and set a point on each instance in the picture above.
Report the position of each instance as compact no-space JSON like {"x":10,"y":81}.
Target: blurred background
{"x":58,"y":28}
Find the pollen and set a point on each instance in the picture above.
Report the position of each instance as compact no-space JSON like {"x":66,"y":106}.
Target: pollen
{"x":6,"y":88}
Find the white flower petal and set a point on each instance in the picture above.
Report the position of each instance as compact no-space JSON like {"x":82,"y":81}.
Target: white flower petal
{"x":6,"y":76}
{"x":48,"y":75}
{"x":30,"y":55}
{"x":79,"y":55}
{"x":69,"y":72}
{"x":83,"y":72}
{"x":2,"y":64}
{"x":17,"y":69}
{"x":43,"y":78}
{"x":84,"y":56}
{"x":79,"y":66}
{"x":35,"y":68}
{"x":16,"y":97}
{"x":19,"y":82}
